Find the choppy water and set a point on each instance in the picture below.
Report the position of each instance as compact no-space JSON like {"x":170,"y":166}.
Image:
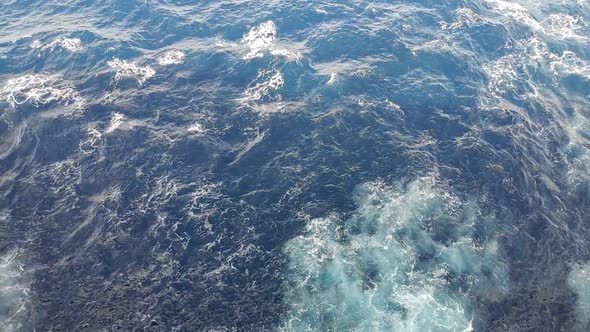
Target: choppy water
{"x":294,"y":165}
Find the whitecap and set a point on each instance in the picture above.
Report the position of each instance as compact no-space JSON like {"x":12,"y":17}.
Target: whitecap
{"x":267,"y":83}
{"x":69,"y":44}
{"x":126,"y":69}
{"x":117,"y":120}
{"x":173,"y":57}
{"x":36,"y":44}
{"x":196,"y":129}
{"x":259,"y":39}
{"x":262,"y":39}
{"x":332,"y":79}
{"x":39,"y":89}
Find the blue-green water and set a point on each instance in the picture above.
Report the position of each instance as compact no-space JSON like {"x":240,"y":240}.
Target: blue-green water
{"x":294,"y":166}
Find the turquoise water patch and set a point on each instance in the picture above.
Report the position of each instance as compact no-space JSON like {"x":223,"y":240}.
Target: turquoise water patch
{"x":407,"y":260}
{"x":579,"y":281}
{"x":14,"y":294}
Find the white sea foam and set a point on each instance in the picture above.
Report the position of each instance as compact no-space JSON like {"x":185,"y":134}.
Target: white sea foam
{"x":262,"y":39}
{"x":92,"y":143}
{"x":117,"y":120}
{"x":126,"y":69}
{"x":387,"y":268}
{"x":69,"y":44}
{"x":515,"y":12}
{"x":568,"y":63}
{"x":264,"y":88}
{"x":333,"y":78}
{"x":196,"y":129}
{"x":36,"y":44}
{"x":464,"y":17}
{"x":14,"y":293}
{"x":39,"y":89}
{"x":566,"y":26}
{"x":73,"y":45}
{"x":173,"y":57}
{"x":514,"y":78}
{"x":259,"y":39}
{"x":556,"y":25}
{"x":530,"y":57}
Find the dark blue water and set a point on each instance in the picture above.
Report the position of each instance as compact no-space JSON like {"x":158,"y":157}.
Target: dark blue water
{"x":283,"y":165}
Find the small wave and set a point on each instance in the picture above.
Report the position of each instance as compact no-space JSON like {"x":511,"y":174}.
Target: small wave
{"x":336,"y":71}
{"x":126,"y":69}
{"x":39,"y":89}
{"x":173,"y":57}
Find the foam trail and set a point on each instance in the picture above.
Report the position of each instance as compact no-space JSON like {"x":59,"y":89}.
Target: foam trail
{"x":392,"y":266}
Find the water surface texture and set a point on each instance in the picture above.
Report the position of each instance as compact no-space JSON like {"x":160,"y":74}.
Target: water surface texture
{"x":277,"y":165}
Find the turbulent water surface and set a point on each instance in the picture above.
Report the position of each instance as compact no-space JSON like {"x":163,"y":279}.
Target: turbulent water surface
{"x":277,"y":165}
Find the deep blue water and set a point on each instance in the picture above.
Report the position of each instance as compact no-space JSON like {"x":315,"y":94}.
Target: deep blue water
{"x":237,"y":165}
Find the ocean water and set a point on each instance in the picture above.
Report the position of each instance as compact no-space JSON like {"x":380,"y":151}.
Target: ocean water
{"x":332,"y":165}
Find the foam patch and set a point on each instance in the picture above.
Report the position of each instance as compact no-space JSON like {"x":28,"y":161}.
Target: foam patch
{"x":407,"y":260}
